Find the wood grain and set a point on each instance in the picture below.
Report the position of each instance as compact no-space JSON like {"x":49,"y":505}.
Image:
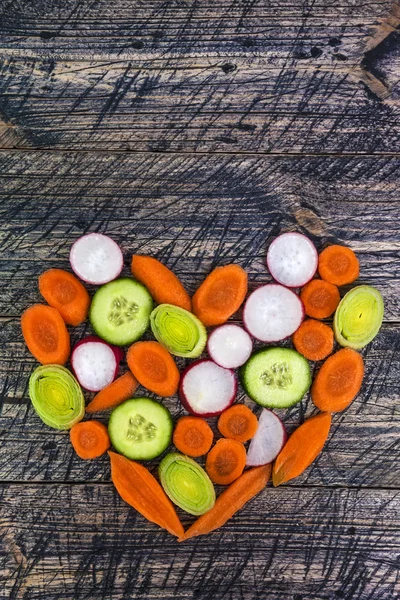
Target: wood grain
{"x":193,"y":106}
{"x":287,"y":544}
{"x":131,"y":30}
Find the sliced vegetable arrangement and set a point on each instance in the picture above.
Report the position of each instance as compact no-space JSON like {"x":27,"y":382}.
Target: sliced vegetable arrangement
{"x":139,"y":428}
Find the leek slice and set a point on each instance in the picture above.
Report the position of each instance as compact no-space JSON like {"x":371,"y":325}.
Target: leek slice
{"x":56,"y":396}
{"x":186,"y":484}
{"x":178,"y":330}
{"x":358,"y":317}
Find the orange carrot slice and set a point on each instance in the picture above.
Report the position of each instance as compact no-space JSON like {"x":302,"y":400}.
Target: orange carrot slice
{"x":230,"y":501}
{"x":338,"y":381}
{"x":220,"y":295}
{"x":90,"y":439}
{"x":338,"y":265}
{"x":45,"y":334}
{"x":193,"y":436}
{"x":226,"y":461}
{"x":137,"y":486}
{"x":118,"y":391}
{"x":314,"y":340}
{"x":303,"y":446}
{"x":238,"y":423}
{"x":64,"y":291}
{"x":320,"y":298}
{"x":154,"y":367}
{"x":162,"y":283}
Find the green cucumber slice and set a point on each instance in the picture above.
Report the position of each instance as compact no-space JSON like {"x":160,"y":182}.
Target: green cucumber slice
{"x":276,"y":377}
{"x":186,"y":483}
{"x":120,"y":311}
{"x":178,"y":330}
{"x":140,"y":428}
{"x":358,"y":317}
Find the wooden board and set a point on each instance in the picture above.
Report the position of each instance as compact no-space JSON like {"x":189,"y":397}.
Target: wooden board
{"x":314,"y":544}
{"x":203,"y":105}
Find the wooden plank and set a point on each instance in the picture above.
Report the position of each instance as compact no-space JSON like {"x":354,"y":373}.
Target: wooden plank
{"x":194,"y":212}
{"x":362,"y":450}
{"x":73,"y":542}
{"x":328,"y":30}
{"x":209,"y":105}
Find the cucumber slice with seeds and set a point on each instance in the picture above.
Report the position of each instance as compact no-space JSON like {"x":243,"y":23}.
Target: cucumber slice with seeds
{"x":276,"y":377}
{"x":120,"y":311}
{"x":140,"y":428}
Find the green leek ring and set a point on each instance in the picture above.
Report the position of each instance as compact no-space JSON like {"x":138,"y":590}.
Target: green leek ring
{"x":358,"y":317}
{"x":178,"y":330}
{"x":56,"y":396}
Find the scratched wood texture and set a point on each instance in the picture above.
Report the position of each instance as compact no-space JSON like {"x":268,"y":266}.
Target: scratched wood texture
{"x":155,"y":122}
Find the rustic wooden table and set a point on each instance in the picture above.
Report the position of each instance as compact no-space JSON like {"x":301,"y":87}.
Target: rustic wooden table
{"x":196,"y":131}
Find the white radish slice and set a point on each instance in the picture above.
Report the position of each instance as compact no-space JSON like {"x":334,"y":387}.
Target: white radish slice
{"x":206,"y":389}
{"x":272,"y":313}
{"x":95,"y":363}
{"x":229,"y":346}
{"x":268,"y":441}
{"x":292,"y":259}
{"x":96,"y":258}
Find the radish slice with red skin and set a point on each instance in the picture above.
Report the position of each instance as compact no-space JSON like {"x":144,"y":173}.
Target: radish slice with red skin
{"x":272,"y":313}
{"x":206,"y":389}
{"x":292,"y":259}
{"x":96,"y":258}
{"x":268,"y":441}
{"x":95,"y":363}
{"x":229,"y":346}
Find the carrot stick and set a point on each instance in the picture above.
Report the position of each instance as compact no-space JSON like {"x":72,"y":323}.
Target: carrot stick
{"x":230,"y":501}
{"x":90,"y":439}
{"x":338,"y":265}
{"x":226,"y":461}
{"x":64,"y":291}
{"x":153,"y":367}
{"x":220,"y":295}
{"x":137,"y":486}
{"x":303,"y":446}
{"x":338,"y":381}
{"x":314,"y":340}
{"x":45,"y":334}
{"x":193,"y":436}
{"x":162,"y":283}
{"x":320,"y":298}
{"x":238,"y":423}
{"x":115,"y":393}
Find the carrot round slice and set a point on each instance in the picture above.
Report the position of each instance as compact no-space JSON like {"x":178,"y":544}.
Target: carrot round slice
{"x":115,"y":393}
{"x":64,"y":291}
{"x":45,"y":334}
{"x":193,"y":436}
{"x":238,"y":423}
{"x":338,"y":381}
{"x":90,"y":439}
{"x":226,"y":461}
{"x":163,"y":284}
{"x":320,"y":298}
{"x":314,"y":340}
{"x":220,"y":295}
{"x":154,"y":368}
{"x":303,"y":446}
{"x":338,"y":265}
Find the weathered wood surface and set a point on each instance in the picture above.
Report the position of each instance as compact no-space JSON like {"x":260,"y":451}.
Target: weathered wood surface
{"x":332,"y":543}
{"x":363,"y":448}
{"x":176,"y":105}
{"x":128,"y":30}
{"x":195,"y":106}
